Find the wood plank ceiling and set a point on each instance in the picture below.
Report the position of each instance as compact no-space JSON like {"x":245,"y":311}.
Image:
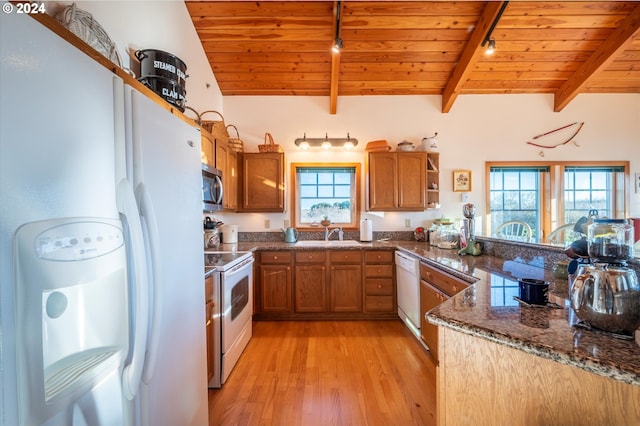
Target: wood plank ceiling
{"x":562,"y":48}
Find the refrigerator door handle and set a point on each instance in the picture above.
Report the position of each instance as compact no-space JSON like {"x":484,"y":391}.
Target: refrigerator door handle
{"x":132,"y":374}
{"x":148,"y":216}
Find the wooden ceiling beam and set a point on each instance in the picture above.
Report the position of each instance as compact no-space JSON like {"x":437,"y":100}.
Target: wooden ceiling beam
{"x":470,"y":55}
{"x":619,"y":39}
{"x":335,"y":61}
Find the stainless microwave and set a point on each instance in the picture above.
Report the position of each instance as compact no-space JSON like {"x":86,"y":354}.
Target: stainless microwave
{"x":212,"y":190}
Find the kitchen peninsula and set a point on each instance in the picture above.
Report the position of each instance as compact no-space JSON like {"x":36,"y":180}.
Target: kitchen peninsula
{"x":512,"y":364}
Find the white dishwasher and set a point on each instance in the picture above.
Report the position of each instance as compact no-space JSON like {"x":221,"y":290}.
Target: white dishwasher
{"x":408,"y":284}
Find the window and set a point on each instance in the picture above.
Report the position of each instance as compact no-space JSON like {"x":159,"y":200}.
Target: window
{"x":515,"y":194}
{"x":328,"y":191}
{"x":590,"y":188}
{"x":549,"y":195}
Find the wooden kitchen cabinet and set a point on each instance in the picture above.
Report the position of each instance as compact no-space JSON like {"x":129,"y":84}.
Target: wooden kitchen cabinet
{"x":397,"y":181}
{"x":227,"y":162}
{"x":346,"y":280}
{"x":379,"y":289}
{"x":430,"y":297}
{"x":436,"y":286}
{"x":310,"y":282}
{"x":209,"y":306}
{"x":261,"y":182}
{"x":207,"y":149}
{"x":274,"y":295}
{"x":326,"y":284}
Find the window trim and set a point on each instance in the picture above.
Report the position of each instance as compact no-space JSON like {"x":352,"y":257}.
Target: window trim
{"x":552,"y":190}
{"x":294,"y":193}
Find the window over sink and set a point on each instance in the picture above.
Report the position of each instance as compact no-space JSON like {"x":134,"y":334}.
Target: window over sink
{"x":325,"y":191}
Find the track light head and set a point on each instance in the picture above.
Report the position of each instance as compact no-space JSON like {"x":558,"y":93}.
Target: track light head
{"x":491,"y":47}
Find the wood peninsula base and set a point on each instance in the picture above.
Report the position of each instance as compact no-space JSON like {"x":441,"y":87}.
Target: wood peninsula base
{"x":484,"y":383}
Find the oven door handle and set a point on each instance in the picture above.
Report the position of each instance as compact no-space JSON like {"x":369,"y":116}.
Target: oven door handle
{"x":238,"y":268}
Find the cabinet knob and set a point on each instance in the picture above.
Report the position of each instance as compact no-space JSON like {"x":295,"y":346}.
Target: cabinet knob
{"x":275,"y":257}
{"x":455,"y":288}
{"x":379,"y":285}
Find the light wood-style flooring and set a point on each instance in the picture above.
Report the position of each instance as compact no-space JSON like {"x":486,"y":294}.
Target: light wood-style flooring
{"x":328,"y":373}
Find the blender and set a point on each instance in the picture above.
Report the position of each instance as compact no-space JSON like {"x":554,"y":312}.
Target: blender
{"x":472,"y":247}
{"x":605,"y":294}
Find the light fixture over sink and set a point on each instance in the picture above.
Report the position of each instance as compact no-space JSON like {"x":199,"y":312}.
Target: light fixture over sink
{"x":347,"y":143}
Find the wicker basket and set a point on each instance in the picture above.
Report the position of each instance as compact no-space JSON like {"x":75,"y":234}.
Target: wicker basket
{"x":269,"y":145}
{"x":212,"y":126}
{"x":236,"y":143}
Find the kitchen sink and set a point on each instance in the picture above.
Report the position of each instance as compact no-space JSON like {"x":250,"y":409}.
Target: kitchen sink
{"x":331,"y":243}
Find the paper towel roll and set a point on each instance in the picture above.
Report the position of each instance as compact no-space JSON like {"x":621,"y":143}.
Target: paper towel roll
{"x":366,"y":230}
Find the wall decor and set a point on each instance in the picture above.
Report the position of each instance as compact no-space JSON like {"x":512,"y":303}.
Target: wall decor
{"x":564,"y":142}
{"x":461,"y":180}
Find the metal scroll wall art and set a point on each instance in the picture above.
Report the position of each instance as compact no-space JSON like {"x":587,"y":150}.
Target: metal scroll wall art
{"x":536,"y":138}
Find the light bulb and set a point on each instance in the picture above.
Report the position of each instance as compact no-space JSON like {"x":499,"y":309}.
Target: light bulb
{"x":348,"y":145}
{"x":326,"y":145}
{"x":491,"y":48}
{"x":304,"y":145}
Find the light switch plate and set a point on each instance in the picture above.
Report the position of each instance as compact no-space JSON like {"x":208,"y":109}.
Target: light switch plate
{"x":286,"y":223}
{"x":267,"y":223}
{"x":464,"y":197}
{"x":407,"y":223}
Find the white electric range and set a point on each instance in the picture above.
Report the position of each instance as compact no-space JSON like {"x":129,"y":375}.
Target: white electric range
{"x":232,"y":273}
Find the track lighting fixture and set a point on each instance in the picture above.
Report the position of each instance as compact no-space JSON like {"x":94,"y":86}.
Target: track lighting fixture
{"x":338,"y":41}
{"x":338,"y":45}
{"x":491,"y":47}
{"x":488,"y":40}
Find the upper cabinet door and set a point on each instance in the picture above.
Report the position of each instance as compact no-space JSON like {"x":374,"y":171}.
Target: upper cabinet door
{"x":397,"y":181}
{"x":383,"y":181}
{"x":412,"y":180}
{"x":261,"y":186}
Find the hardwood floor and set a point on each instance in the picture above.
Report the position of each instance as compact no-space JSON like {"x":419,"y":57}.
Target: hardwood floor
{"x":328,"y":373}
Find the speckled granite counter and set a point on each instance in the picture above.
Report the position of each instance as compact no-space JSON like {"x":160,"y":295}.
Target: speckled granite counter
{"x":487,"y":309}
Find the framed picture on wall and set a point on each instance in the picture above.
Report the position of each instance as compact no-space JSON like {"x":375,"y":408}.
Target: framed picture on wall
{"x":461,"y":180}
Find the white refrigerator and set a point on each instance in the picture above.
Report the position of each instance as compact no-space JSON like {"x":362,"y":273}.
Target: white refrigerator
{"x":102,"y":305}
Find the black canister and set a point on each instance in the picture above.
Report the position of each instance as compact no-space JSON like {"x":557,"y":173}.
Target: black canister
{"x":533,"y":291}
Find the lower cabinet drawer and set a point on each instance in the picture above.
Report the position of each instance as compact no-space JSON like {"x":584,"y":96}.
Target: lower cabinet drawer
{"x":379,"y":304}
{"x":378,"y":287}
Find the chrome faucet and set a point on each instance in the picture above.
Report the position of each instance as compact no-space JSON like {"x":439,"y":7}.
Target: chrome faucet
{"x":328,"y":234}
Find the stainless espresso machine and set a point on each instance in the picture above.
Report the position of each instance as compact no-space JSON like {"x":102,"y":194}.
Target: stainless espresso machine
{"x":606,"y":293}
{"x":472,"y":247}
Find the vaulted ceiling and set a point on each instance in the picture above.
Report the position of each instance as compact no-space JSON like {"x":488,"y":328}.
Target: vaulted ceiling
{"x":562,"y":48}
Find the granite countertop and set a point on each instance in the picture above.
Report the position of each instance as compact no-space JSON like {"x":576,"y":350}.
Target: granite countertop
{"x":488,"y":311}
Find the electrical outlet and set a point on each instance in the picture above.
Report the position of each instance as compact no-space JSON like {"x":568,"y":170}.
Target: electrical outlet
{"x":407,"y":223}
{"x":267,"y":223}
{"x":286,"y":223}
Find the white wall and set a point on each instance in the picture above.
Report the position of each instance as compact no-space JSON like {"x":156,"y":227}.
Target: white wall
{"x":163,"y":25}
{"x":479,"y":128}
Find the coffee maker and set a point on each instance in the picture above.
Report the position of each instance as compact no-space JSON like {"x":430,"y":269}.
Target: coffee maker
{"x":472,"y":247}
{"x":605,"y":293}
